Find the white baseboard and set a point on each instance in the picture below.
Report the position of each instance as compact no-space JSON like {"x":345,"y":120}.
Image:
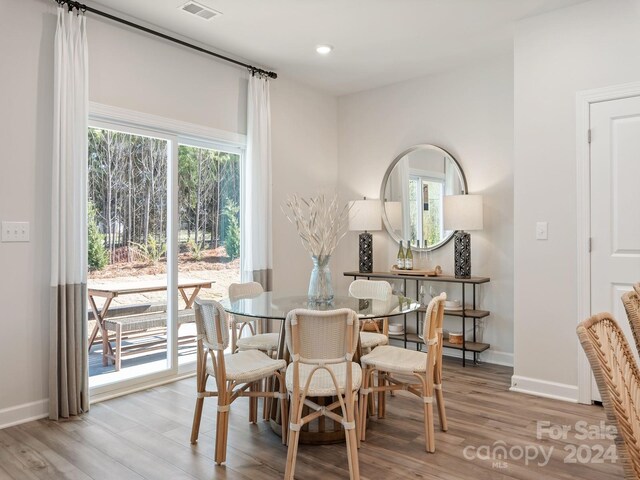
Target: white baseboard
{"x":26,"y":412}
{"x":543,"y":388}
{"x":488,"y":356}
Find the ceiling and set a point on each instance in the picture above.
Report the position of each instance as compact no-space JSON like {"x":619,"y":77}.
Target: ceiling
{"x":376,"y":42}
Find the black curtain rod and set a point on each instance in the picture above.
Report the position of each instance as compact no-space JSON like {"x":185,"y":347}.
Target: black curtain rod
{"x":84,"y":8}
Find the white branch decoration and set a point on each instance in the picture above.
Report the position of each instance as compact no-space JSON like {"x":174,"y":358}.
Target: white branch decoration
{"x":320,"y":223}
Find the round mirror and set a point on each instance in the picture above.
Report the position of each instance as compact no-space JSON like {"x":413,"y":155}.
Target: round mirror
{"x":412,"y":195}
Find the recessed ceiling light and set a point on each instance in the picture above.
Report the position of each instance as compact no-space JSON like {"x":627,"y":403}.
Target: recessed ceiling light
{"x":324,"y":49}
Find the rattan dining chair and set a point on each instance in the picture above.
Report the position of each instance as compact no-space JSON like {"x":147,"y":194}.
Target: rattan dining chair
{"x":322,"y":345}
{"x":256,"y":340}
{"x":373,"y":332}
{"x":266,"y":342}
{"x":236,"y":374}
{"x":401,"y":366}
{"x":618,"y":380}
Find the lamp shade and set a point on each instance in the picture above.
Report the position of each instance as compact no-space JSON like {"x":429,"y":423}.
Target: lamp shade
{"x":463,"y":212}
{"x":364,"y":215}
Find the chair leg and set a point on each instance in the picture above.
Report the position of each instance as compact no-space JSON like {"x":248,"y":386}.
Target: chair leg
{"x":222,"y":424}
{"x":441,"y":413}
{"x":381,"y":395}
{"x":253,"y":403}
{"x":266,"y":401}
{"x":284,"y":414}
{"x":356,"y":415}
{"x":429,"y":433}
{"x":371,"y":403}
{"x":364,"y":401}
{"x":352,"y":443}
{"x":294,"y":436}
{"x":197,"y":414}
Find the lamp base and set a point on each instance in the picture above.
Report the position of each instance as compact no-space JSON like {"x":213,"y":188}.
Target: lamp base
{"x":365,"y":250}
{"x":462,"y":249}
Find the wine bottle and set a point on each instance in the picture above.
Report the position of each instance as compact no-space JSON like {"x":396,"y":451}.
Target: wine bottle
{"x":400,"y":258}
{"x":408,"y":258}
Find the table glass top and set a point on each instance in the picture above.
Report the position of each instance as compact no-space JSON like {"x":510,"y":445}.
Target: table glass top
{"x":271,"y":305}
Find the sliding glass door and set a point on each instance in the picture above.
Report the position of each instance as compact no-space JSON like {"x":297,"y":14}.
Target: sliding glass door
{"x":163,"y":230}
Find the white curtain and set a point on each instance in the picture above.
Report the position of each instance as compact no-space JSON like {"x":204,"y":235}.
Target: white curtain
{"x":68,"y":376}
{"x":255,"y":252}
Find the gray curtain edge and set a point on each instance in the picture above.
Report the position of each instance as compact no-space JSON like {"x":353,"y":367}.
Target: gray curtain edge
{"x":264,"y":277}
{"x":68,"y":356}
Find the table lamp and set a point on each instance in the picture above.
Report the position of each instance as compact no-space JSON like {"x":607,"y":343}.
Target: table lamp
{"x":364,"y":216}
{"x":462,"y":212}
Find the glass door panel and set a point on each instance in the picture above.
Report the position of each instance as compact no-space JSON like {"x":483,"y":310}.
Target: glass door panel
{"x":208,"y":232}
{"x":127,"y":243}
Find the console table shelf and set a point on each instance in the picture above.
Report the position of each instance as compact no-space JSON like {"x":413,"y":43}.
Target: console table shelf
{"x":468,"y":313}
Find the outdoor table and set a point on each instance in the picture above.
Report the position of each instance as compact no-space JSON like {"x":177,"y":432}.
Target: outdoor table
{"x":109,"y":292}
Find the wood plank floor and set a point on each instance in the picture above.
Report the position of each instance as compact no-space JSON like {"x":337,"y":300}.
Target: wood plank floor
{"x":146,"y":435}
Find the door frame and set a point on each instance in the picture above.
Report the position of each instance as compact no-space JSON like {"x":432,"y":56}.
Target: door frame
{"x":584,"y":100}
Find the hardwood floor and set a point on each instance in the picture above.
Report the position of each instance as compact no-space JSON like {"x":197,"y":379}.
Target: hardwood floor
{"x":146,"y":435}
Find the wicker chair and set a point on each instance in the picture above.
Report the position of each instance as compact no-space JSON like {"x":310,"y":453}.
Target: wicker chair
{"x":322,"y":345}
{"x":237,"y":374}
{"x":618,"y":380}
{"x":266,"y":342}
{"x":379,"y":294}
{"x":636,"y":287}
{"x":631,"y":302}
{"x":401,"y":366}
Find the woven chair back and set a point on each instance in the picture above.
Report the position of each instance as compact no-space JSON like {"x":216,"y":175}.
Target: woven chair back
{"x":433,"y":319}
{"x":322,"y":335}
{"x":631,"y":302}
{"x":212,"y":324}
{"x":618,"y":380}
{"x":239,"y":291}
{"x":370,"y":289}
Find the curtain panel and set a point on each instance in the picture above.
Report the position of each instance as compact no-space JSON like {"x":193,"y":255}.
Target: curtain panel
{"x":256,"y":253}
{"x":68,"y":375}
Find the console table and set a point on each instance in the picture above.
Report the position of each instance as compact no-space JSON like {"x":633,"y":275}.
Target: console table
{"x":465,"y":314}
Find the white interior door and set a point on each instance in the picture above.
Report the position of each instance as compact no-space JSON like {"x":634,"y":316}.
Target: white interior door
{"x":615,"y":207}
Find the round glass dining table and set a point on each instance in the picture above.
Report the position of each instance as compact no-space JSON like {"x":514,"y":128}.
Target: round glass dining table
{"x":270,"y":305}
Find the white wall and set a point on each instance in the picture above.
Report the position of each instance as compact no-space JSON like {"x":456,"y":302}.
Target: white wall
{"x":304,"y":152}
{"x":132,"y":71}
{"x":591,"y":45}
{"x":468,"y":112}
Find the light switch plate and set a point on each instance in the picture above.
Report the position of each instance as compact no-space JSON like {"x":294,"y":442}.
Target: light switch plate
{"x":15,"y":231}
{"x":542,"y":231}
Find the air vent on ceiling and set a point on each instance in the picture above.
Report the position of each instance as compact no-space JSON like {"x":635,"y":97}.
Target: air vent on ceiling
{"x":199,"y":10}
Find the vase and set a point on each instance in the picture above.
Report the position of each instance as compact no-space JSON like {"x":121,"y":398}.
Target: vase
{"x":320,"y":288}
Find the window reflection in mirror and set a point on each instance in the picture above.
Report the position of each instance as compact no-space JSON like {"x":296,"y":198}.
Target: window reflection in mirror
{"x":413,"y":192}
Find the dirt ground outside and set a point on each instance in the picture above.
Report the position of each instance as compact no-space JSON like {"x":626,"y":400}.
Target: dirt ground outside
{"x":213,"y":265}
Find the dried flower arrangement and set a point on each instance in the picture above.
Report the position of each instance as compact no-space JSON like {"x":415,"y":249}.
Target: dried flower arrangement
{"x":321,"y":223}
